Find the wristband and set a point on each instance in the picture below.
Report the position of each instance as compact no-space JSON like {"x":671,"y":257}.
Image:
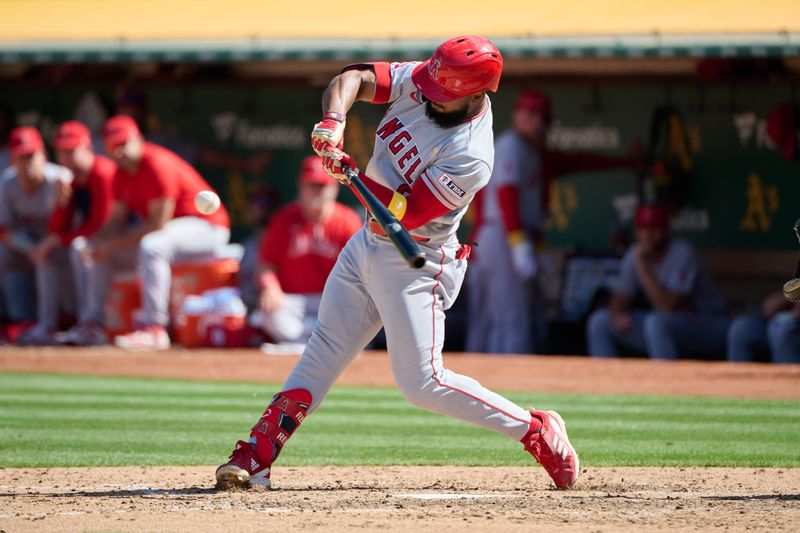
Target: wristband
{"x":516,"y":237}
{"x":338,"y":117}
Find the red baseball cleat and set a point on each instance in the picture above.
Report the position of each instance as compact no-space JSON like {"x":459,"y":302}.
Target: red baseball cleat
{"x":551,"y":448}
{"x":244,"y":469}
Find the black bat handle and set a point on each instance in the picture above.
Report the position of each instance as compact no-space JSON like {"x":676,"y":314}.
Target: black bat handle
{"x":395,"y":231}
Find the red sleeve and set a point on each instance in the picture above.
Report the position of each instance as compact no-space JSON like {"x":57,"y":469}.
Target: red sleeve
{"x":508,"y":198}
{"x":274,"y":241}
{"x":421,"y":204}
{"x":163,"y":179}
{"x":59,"y":220}
{"x":100,"y":201}
{"x":383,"y":79}
{"x":382,"y":193}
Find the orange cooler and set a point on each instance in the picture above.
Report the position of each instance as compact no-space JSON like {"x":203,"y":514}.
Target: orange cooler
{"x":197,"y":276}
{"x":124,"y":297}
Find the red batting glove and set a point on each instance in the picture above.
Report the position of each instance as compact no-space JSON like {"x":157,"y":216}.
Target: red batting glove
{"x":333,"y":159}
{"x":330,"y":130}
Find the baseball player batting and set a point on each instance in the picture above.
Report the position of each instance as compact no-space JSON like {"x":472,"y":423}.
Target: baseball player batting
{"x":433,"y":152}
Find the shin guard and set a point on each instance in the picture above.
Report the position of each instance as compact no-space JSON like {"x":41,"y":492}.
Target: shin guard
{"x":285,"y":413}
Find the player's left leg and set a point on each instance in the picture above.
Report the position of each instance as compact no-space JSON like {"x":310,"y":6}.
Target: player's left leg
{"x":347,"y":322}
{"x":413,"y":316}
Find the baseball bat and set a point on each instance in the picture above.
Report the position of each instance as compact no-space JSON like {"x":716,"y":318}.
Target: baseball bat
{"x":395,"y":231}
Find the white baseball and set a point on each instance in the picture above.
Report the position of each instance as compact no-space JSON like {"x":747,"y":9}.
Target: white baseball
{"x":207,"y":202}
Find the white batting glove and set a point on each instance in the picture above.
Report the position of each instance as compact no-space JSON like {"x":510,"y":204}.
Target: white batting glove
{"x":328,"y":131}
{"x":524,"y":260}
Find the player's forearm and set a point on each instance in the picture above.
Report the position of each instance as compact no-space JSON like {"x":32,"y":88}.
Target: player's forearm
{"x":346,"y":88}
{"x":414,"y":210}
{"x":381,"y":192}
{"x":660,"y":298}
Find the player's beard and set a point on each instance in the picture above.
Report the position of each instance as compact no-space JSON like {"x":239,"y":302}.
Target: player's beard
{"x":446,"y":120}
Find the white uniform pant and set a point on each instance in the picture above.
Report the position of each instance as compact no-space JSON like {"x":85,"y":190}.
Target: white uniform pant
{"x":180,"y":238}
{"x":372,"y":286}
{"x":293,"y":321}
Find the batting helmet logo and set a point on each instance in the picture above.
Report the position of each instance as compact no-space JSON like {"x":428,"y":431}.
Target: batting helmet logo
{"x":433,"y":68}
{"x":459,"y":67}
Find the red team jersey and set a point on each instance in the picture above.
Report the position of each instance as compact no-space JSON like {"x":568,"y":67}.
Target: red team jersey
{"x":302,"y":252}
{"x":162,"y":174}
{"x":92,"y":200}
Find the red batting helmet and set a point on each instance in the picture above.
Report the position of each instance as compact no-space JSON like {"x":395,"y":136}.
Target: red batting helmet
{"x":460,"y":67}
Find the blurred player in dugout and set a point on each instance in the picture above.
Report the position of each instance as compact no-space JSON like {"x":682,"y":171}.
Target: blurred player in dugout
{"x":29,"y":189}
{"x":297,"y":253}
{"x":510,"y":214}
{"x":664,"y":304}
{"x":771,"y":335}
{"x":159,"y":188}
{"x":82,"y":207}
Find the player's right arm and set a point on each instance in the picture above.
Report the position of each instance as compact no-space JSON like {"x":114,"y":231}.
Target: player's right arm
{"x":349,"y":86}
{"x":369,"y":82}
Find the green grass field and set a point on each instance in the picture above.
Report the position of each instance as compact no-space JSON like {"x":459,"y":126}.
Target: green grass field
{"x":50,"y":420}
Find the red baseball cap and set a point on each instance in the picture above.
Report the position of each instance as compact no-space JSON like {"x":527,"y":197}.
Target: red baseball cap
{"x":25,"y":140}
{"x":71,"y":135}
{"x":535,"y":102}
{"x":118,"y":129}
{"x":651,"y":216}
{"x":311,"y":171}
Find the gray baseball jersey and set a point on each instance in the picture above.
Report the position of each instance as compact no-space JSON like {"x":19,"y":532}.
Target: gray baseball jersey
{"x":372,"y":286}
{"x":454,"y":163}
{"x":29,"y":212}
{"x":680,"y":270}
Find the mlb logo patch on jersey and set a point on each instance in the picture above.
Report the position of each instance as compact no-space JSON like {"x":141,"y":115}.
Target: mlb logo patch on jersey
{"x":457,"y":191}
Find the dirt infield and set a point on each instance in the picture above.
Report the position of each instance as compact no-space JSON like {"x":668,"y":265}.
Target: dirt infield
{"x":401,"y":499}
{"x":505,"y":373}
{"x":411,"y":498}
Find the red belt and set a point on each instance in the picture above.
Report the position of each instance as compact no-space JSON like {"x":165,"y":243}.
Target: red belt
{"x":376,"y":228}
